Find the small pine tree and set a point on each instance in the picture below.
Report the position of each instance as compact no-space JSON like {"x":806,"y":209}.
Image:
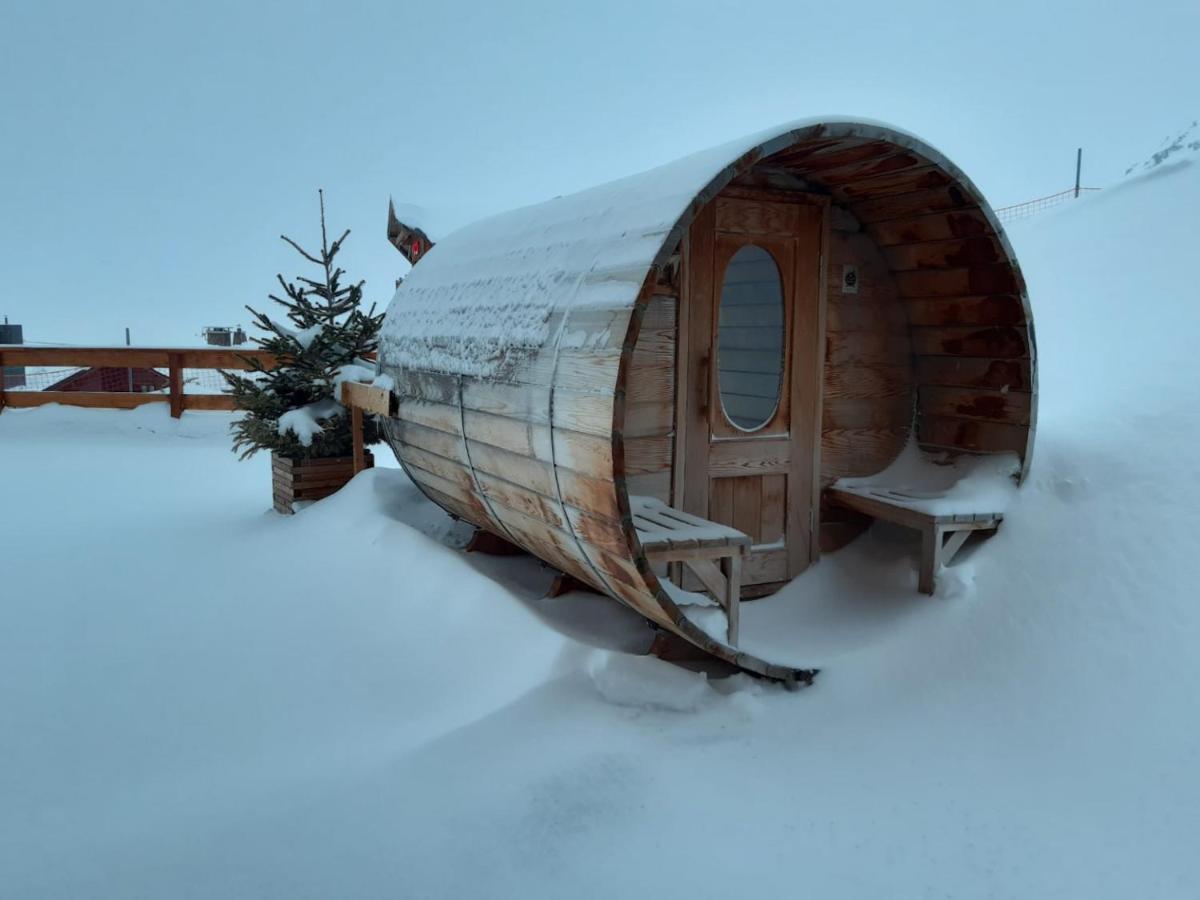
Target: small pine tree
{"x":294,"y":409}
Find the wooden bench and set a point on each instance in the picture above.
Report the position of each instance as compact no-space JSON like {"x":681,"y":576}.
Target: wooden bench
{"x":904,"y":509}
{"x":713,"y":552}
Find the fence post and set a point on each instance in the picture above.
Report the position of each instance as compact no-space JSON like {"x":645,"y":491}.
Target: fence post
{"x":356,"y":427}
{"x":175,"y":376}
{"x":1078,"y":169}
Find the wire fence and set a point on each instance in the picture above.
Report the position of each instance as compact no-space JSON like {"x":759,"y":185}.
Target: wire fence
{"x":185,"y":378}
{"x":1019,"y":211}
{"x":195,"y":381}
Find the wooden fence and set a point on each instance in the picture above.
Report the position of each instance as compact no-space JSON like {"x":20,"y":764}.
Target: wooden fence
{"x":173,"y":360}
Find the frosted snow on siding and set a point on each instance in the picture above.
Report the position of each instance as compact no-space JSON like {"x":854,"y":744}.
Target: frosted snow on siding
{"x":482,"y":300}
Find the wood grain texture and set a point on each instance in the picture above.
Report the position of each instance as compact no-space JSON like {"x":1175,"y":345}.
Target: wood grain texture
{"x":810,"y":314}
{"x":649,"y":426}
{"x":903,"y":181}
{"x":88,"y":399}
{"x":937,"y":328}
{"x":915,"y":204}
{"x":1000,"y":342}
{"x":956,"y":282}
{"x":938,"y":226}
{"x":772,"y":508}
{"x":987,"y":309}
{"x":747,"y":505}
{"x":869,"y":391}
{"x":881,"y":162}
{"x":692,"y":425}
{"x":971,"y":403}
{"x":720,"y":500}
{"x":135,"y":357}
{"x":971,"y":434}
{"x":976,"y":372}
{"x":757,"y":457}
{"x":948,"y":254}
{"x":738,"y":217}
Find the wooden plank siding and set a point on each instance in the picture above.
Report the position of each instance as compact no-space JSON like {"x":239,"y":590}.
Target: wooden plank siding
{"x":969,"y":354}
{"x":649,"y":432}
{"x":934,"y":340}
{"x":867,"y":411}
{"x":529,"y":455}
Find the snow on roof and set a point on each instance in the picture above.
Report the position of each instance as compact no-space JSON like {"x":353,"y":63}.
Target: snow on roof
{"x":484,"y":295}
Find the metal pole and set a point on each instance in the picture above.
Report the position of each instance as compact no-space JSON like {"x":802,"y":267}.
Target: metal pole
{"x":130,"y":370}
{"x":1078,"y":168}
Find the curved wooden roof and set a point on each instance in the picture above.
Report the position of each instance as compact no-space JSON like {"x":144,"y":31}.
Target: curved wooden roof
{"x":511,"y":340}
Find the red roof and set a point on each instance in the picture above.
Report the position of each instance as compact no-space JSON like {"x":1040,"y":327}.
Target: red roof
{"x":111,"y":379}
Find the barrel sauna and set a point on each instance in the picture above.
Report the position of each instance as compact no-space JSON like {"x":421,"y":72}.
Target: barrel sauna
{"x":729,"y":333}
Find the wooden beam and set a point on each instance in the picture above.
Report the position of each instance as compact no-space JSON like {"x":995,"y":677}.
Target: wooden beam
{"x":565,"y":584}
{"x":89,"y":399}
{"x":731,"y":567}
{"x":135,"y":357}
{"x":175,"y":380}
{"x":489,"y":544}
{"x":375,"y":400}
{"x":356,"y":431}
{"x":209,"y":402}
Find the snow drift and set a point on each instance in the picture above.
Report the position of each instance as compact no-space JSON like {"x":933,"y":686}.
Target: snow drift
{"x":200,"y":699}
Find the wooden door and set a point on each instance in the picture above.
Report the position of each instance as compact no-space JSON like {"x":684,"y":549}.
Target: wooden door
{"x":752,"y":359}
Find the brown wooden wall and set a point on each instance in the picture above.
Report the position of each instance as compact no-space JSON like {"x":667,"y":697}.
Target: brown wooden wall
{"x":529,"y":458}
{"x":546,"y":454}
{"x":650,"y":403}
{"x":973,"y":354}
{"x":867,"y":409}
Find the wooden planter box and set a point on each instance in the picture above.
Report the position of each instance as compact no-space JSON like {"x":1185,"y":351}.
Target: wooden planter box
{"x":310,"y":479}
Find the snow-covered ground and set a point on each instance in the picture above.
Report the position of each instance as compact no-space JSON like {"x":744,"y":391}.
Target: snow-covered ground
{"x":199,"y":698}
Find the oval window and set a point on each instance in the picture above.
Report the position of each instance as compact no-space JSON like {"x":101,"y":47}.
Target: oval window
{"x":750,"y":338}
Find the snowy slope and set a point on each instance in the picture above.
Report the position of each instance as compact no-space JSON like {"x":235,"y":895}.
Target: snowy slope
{"x":203,"y":700}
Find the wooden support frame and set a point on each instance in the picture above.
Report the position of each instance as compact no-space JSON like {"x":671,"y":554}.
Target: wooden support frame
{"x":942,"y":536}
{"x":174,"y":360}
{"x":939,"y":544}
{"x":359,"y":397}
{"x":780,"y":459}
{"x":714,"y":553}
{"x":722,"y":578}
{"x":175,"y":383}
{"x":489,"y":544}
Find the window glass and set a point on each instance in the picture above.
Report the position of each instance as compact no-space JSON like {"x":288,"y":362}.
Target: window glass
{"x":750,"y":338}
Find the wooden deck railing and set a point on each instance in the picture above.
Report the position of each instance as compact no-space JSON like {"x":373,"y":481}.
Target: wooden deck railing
{"x":173,"y":360}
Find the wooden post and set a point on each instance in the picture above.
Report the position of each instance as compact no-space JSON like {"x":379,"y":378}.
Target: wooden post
{"x":1078,"y":168}
{"x":175,"y":376}
{"x":128,"y":372}
{"x":733,"y":593}
{"x":931,"y":558}
{"x":356,"y":428}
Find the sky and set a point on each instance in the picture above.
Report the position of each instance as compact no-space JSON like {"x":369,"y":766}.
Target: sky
{"x":152,"y":153}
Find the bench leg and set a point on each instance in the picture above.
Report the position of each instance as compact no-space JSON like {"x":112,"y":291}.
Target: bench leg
{"x":937,"y":551}
{"x":931,"y":558}
{"x":953,"y":545}
{"x":732,"y":568}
